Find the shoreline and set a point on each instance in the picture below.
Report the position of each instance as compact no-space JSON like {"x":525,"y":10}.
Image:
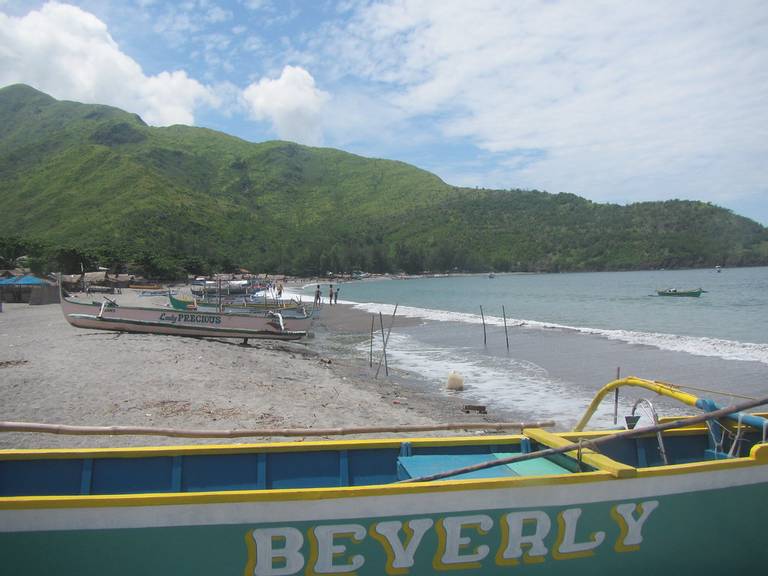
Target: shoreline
{"x":54,"y":373}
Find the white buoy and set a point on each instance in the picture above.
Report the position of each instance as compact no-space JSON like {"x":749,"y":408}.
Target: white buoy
{"x":455,"y":381}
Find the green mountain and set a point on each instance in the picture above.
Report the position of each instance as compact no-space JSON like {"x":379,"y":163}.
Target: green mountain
{"x":96,"y":183}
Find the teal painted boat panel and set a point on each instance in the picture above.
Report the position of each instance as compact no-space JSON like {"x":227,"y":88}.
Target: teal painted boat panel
{"x":426,"y":465}
{"x":536,"y":467}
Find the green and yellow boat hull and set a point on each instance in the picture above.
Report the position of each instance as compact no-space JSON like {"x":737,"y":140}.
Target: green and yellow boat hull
{"x":341,"y":507}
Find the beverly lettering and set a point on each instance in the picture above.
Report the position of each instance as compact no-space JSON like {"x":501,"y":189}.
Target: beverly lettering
{"x":460,"y":542}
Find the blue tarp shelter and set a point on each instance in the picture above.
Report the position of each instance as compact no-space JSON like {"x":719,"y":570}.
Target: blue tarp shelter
{"x":30,"y":280}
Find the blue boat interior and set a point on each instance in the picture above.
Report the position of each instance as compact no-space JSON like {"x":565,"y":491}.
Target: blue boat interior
{"x":196,"y":469}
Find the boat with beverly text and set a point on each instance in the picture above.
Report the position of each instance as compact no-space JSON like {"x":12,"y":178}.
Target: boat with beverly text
{"x":109,"y":315}
{"x":684,"y":495}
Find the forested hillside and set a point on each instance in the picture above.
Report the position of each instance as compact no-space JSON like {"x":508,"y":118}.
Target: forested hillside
{"x":94,"y":183}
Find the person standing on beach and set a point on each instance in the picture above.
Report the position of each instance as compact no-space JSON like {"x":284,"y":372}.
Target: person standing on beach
{"x":336,"y":296}
{"x":330,"y":294}
{"x":279,"y":290}
{"x":318,"y":297}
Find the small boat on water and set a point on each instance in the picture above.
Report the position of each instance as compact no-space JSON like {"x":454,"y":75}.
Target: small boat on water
{"x":109,"y":315}
{"x":685,"y":494}
{"x":675,"y":292}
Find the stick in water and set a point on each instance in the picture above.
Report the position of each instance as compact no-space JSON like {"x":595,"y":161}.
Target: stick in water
{"x":370,"y":354}
{"x":386,"y":341}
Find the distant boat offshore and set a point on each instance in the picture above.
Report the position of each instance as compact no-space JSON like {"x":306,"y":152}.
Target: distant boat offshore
{"x":675,"y":292}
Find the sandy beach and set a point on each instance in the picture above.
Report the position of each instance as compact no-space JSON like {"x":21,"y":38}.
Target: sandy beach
{"x":51,"y":372}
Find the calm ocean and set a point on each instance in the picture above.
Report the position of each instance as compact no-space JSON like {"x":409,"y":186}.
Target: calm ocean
{"x":568,"y":334}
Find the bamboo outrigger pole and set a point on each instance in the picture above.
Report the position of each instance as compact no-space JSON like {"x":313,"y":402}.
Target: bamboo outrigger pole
{"x":263,"y":432}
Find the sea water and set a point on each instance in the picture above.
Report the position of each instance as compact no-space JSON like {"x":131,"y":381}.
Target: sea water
{"x":568,"y":334}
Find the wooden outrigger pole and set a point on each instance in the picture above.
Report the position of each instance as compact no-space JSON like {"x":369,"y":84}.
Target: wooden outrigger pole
{"x":259,"y":432}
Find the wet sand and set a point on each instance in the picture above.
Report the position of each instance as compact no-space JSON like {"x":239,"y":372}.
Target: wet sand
{"x":52,"y":372}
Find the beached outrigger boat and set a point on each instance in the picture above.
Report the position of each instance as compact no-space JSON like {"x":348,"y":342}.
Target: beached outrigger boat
{"x":675,"y":292}
{"x":593,"y":503}
{"x":108,"y":315}
{"x":288,"y":308}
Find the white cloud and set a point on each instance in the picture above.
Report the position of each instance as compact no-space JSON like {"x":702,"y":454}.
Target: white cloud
{"x":70,"y":54}
{"x":177,"y":24}
{"x":253,"y":44}
{"x":256,"y":4}
{"x":292,"y":103}
{"x":218,"y":14}
{"x":617,"y":101}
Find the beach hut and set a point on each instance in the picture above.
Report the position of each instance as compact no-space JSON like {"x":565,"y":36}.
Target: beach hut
{"x":20,"y":289}
{"x":7,"y":292}
{"x":46,"y":292}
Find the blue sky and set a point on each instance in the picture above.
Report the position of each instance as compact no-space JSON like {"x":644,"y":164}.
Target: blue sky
{"x":615,"y":101}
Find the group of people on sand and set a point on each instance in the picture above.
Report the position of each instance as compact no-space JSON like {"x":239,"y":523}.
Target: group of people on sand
{"x":333,"y":295}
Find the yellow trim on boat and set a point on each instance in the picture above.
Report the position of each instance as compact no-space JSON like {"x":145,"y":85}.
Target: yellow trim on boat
{"x":683,"y":431}
{"x":289,"y":446}
{"x":759,"y":453}
{"x":590,"y":457}
{"x":661,"y":388}
{"x":298,"y":494}
{"x":691,"y":467}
